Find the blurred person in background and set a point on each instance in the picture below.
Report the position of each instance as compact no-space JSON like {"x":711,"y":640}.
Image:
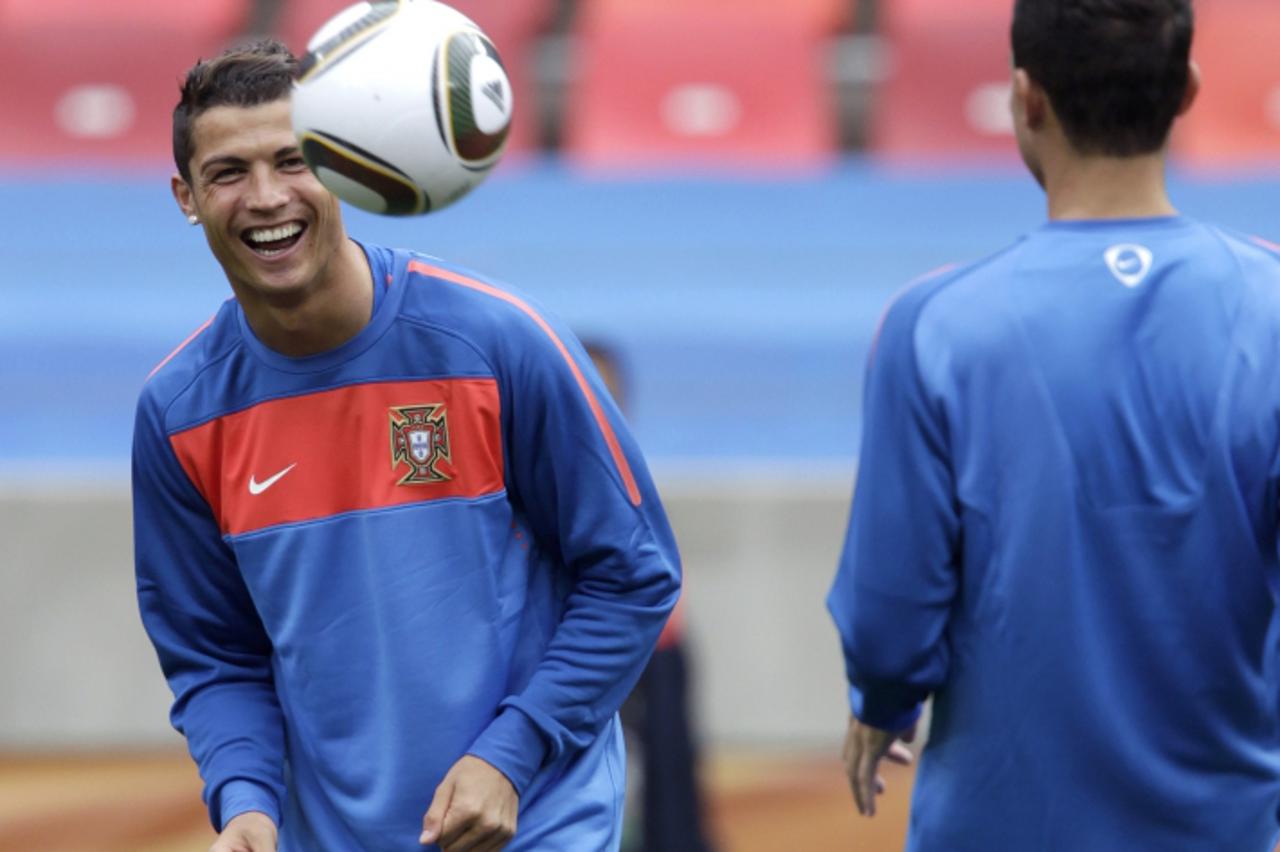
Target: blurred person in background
{"x":398,"y":555}
{"x":664,"y":796}
{"x":1065,"y":521}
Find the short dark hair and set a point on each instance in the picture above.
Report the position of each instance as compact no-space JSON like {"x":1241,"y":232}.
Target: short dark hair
{"x":1115,"y":71}
{"x":245,"y":75}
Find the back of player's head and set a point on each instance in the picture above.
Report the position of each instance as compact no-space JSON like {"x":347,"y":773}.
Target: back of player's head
{"x":1115,"y":71}
{"x":246,"y":75}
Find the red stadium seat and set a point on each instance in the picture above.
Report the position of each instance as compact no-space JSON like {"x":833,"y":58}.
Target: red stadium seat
{"x":513,"y":25}
{"x":222,"y":16}
{"x":945,"y":94}
{"x":95,"y":83}
{"x":684,"y":84}
{"x":822,"y":16}
{"x":896,"y":13}
{"x":1236,"y":119}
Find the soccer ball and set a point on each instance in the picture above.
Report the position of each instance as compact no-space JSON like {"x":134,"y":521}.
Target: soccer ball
{"x":401,"y":106}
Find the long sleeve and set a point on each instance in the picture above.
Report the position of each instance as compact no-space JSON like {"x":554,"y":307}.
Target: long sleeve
{"x":576,"y":474}
{"x":211,"y":645}
{"x":897,"y":577}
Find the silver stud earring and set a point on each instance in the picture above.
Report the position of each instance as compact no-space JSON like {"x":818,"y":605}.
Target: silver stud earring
{"x":193,"y":219}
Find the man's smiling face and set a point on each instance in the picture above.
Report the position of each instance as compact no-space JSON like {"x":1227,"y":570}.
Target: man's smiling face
{"x":271,"y":225}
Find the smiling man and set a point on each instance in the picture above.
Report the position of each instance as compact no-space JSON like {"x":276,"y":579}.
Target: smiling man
{"x":399,"y":558}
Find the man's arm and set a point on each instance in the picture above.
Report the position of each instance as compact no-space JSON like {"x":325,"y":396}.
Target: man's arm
{"x":576,"y":476}
{"x":864,"y":747}
{"x":250,"y":831}
{"x":209,"y":640}
{"x":475,"y":807}
{"x":897,"y":579}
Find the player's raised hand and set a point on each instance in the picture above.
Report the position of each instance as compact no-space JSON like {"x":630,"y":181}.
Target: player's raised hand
{"x":864,"y":747}
{"x":248,"y":832}
{"x":474,"y":809}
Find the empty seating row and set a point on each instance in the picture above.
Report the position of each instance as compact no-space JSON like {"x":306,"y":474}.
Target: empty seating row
{"x":651,"y":83}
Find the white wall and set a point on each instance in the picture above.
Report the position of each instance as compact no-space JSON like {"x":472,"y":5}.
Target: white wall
{"x":77,"y":670}
{"x":757,"y":567}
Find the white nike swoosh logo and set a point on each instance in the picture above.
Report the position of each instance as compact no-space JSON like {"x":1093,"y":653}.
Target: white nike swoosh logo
{"x":256,"y":487}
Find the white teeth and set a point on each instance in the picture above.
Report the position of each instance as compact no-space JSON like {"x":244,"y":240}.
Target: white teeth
{"x":271,"y":235}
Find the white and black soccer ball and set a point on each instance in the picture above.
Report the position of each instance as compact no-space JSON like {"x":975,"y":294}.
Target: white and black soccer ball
{"x":401,"y":107}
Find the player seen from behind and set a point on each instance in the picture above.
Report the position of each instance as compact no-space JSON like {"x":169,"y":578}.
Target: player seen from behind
{"x":1065,"y":523}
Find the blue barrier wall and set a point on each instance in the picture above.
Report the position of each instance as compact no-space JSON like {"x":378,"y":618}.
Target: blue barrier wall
{"x":744,"y":308}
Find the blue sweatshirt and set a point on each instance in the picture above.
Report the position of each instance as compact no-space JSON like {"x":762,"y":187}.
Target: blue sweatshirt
{"x":437,"y":539}
{"x":1065,"y":530}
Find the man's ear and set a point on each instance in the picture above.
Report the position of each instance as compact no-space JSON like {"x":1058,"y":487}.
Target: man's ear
{"x":183,"y":195}
{"x":1030,"y":99}
{"x":1193,"y":87}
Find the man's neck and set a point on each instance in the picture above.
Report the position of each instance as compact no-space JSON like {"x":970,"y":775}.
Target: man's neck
{"x":1108,"y":188}
{"x":327,"y":317}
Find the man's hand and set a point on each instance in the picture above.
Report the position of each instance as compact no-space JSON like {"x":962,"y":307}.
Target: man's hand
{"x":474,"y":809}
{"x":864,"y":746}
{"x":248,"y":832}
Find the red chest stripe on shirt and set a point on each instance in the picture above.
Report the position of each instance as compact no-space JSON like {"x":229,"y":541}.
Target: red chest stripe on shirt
{"x":606,"y":430}
{"x":354,"y":448}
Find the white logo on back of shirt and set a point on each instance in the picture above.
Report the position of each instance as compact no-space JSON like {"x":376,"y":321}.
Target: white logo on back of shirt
{"x":256,"y":487}
{"x":1129,"y":263}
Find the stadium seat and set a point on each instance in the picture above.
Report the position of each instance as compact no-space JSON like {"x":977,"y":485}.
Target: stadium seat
{"x":685,"y":85}
{"x":95,"y":83}
{"x":222,"y":16}
{"x":513,"y":25}
{"x":1235,"y":122}
{"x":822,"y":16}
{"x":896,"y":13}
{"x":945,"y":94}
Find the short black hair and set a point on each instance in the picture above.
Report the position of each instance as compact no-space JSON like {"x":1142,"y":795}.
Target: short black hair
{"x":246,"y":75}
{"x":1115,"y":71}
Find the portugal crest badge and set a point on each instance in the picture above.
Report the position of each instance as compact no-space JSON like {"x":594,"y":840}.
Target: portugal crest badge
{"x":420,"y":439}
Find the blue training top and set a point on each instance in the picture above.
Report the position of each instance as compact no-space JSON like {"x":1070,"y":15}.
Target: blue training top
{"x":1065,"y":529}
{"x":356,"y":567}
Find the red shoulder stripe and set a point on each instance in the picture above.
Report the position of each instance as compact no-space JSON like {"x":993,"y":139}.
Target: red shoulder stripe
{"x":1267,"y":244}
{"x":902,"y":291}
{"x":606,"y":430}
{"x":181,"y":346}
